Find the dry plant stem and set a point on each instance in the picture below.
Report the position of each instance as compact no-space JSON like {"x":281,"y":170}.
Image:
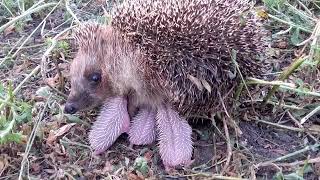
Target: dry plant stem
{"x":5,"y":6}
{"x":229,"y":149}
{"x":294,"y":65}
{"x":32,"y":137}
{"x":33,"y":72}
{"x":313,"y":112}
{"x":21,"y":5}
{"x":310,"y":161}
{"x":300,"y":126}
{"x":274,"y":83}
{"x":290,"y":23}
{"x":288,"y":127}
{"x":233,"y":58}
{"x":315,"y":38}
{"x":26,"y":13}
{"x":71,"y":12}
{"x":276,"y":104}
{"x":301,"y":13}
{"x":26,"y":40}
{"x":305,"y":8}
{"x":46,"y":54}
{"x":310,"y":93}
{"x":282,"y":32}
{"x":296,"y":122}
{"x":307,"y":148}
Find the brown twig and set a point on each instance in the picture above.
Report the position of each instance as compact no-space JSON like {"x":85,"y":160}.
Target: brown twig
{"x":305,"y":149}
{"x":300,"y":126}
{"x":289,"y":127}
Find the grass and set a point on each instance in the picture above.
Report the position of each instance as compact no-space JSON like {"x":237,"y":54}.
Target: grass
{"x":34,"y":83}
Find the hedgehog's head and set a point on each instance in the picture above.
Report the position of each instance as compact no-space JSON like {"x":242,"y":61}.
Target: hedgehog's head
{"x":90,"y":80}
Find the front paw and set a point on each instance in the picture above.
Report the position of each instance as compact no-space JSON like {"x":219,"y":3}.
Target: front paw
{"x":112,"y":121}
{"x":142,"y":130}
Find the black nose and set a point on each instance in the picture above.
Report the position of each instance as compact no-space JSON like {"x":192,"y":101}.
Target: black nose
{"x":70,"y":108}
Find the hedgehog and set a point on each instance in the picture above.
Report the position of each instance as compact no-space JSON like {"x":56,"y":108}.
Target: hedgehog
{"x":159,"y":62}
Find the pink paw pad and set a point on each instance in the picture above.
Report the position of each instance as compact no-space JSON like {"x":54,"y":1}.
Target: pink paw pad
{"x":142,"y":130}
{"x":112,"y":121}
{"x":175,"y":143}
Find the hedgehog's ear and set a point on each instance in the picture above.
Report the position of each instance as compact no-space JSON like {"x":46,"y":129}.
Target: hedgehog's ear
{"x":86,"y":33}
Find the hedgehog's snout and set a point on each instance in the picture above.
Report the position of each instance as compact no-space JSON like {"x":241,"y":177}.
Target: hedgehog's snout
{"x":70,"y":108}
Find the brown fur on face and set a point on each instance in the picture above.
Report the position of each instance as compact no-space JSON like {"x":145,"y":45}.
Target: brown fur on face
{"x":102,"y":51}
{"x":90,"y":61}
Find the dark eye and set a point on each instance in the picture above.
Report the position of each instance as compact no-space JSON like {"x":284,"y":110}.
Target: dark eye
{"x":95,"y":77}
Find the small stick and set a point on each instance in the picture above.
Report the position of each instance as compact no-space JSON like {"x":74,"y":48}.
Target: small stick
{"x":294,"y":120}
{"x":310,"y":161}
{"x":300,"y":126}
{"x":32,"y":137}
{"x":313,"y":112}
{"x":26,"y":13}
{"x":305,"y":7}
{"x":229,"y":150}
{"x":290,"y":23}
{"x":305,"y":149}
{"x":277,"y":103}
{"x":26,"y":40}
{"x":304,"y":130}
{"x":71,"y":12}
{"x":280,"y":126}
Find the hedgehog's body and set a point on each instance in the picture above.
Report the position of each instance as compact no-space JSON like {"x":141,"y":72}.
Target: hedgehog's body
{"x":168,"y":59}
{"x":187,"y":47}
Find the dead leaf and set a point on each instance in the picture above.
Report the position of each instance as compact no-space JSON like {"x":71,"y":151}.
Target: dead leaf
{"x":196,"y":81}
{"x":53,"y":135}
{"x":206,"y":85}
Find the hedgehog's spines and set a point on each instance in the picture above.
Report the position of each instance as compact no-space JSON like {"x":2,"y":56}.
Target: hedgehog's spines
{"x":193,"y":38}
